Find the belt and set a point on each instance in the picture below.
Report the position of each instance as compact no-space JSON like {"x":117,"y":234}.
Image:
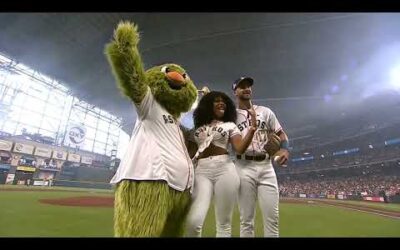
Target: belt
{"x":252,"y":158}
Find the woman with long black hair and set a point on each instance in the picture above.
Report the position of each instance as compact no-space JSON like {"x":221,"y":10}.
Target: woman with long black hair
{"x":215,"y":173}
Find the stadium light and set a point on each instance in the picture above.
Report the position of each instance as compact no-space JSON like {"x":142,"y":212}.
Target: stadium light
{"x":334,"y":89}
{"x":395,"y":77}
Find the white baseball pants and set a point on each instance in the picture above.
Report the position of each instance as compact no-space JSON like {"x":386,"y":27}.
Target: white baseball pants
{"x":215,"y":175}
{"x":258,"y":180}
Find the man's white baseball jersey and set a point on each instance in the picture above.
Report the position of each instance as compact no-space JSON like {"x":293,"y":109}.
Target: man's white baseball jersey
{"x":266,"y":123}
{"x":157,"y":149}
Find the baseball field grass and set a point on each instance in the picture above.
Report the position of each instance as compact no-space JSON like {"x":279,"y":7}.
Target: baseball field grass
{"x":23,"y":215}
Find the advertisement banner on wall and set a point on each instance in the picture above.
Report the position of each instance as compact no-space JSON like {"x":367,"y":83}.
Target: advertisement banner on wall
{"x":27,"y":169}
{"x":87,"y":160}
{"x":10,"y":178}
{"x":5,"y":145}
{"x":41,"y":183}
{"x":44,"y":152}
{"x":331,"y":196}
{"x":372,"y":198}
{"x":74,"y":157}
{"x":302,"y":195}
{"x":60,"y":155}
{"x":75,"y":135}
{"x":45,"y":175}
{"x":23,"y":148}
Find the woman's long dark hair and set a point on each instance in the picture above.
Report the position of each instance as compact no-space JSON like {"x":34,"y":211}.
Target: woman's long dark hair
{"x":204,"y":113}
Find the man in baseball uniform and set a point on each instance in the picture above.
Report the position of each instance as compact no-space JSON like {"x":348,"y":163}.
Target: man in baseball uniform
{"x":255,"y":169}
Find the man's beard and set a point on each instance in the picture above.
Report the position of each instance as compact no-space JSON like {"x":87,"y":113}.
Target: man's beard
{"x":245,"y":98}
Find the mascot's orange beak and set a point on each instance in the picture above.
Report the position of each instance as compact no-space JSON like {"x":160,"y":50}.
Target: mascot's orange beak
{"x":176,"y":78}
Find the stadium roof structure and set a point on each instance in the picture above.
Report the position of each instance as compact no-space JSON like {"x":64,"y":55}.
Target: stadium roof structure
{"x":302,"y":63}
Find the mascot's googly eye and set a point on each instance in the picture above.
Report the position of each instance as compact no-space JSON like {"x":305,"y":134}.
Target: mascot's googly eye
{"x":186,"y":76}
{"x":165,"y":69}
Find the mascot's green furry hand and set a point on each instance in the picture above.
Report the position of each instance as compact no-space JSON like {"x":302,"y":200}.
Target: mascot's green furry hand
{"x":169,"y":83}
{"x":126,"y":35}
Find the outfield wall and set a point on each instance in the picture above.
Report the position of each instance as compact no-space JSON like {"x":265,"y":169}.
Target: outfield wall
{"x":82,"y":184}
{"x":391,"y":199}
{"x":84,"y":174}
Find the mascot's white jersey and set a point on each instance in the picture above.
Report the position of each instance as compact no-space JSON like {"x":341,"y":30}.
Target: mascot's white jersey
{"x":157,"y":149}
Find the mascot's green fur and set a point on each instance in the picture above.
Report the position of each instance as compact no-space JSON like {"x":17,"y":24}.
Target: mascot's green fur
{"x":148,"y":208}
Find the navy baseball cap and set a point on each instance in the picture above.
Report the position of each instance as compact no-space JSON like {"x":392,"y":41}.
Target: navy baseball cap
{"x":247,"y":79}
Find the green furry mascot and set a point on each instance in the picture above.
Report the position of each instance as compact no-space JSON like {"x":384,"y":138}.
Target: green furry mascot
{"x":153,"y":182}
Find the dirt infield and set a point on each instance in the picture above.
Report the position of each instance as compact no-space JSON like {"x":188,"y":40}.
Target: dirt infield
{"x":95,"y":201}
{"x":81,"y":201}
{"x":357,"y":207}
